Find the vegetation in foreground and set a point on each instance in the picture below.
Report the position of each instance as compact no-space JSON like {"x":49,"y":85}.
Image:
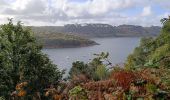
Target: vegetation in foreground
{"x":22,"y":64}
{"x":27,"y":74}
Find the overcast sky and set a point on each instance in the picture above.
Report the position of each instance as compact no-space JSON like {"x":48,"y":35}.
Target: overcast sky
{"x":60,"y":12}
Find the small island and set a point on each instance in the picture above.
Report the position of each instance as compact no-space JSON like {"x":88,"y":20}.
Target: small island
{"x":63,"y":40}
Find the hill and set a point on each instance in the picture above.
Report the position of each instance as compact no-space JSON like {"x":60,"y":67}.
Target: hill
{"x":61,"y":40}
{"x":101,"y":30}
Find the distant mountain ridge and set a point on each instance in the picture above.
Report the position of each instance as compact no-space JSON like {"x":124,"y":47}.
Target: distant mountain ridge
{"x":100,"y":30}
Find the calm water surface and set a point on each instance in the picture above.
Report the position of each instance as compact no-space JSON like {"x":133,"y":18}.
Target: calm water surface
{"x":118,"y":48}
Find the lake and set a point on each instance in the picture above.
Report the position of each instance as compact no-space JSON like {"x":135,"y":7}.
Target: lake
{"x":118,"y":48}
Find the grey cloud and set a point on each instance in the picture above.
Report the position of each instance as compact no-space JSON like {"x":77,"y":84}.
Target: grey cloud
{"x":69,"y":12}
{"x":33,"y":7}
{"x":2,"y":3}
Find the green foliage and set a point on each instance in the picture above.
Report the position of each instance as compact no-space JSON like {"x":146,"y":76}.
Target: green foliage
{"x":150,"y":63}
{"x":97,"y":64}
{"x":151,"y":88}
{"x":160,"y":52}
{"x":164,"y":74}
{"x":101,"y":72}
{"x":21,"y":60}
{"x":79,"y":93}
{"x":164,"y":37}
{"x":2,"y":98}
{"x":164,"y":20}
{"x":53,"y":40}
{"x":140,"y":54}
{"x":152,"y":51}
{"x":6,"y":83}
{"x":79,"y":68}
{"x":130,"y":62}
{"x":95,"y":70}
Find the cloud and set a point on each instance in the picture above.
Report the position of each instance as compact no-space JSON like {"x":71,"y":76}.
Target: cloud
{"x":3,"y":3}
{"x":25,"y":7}
{"x":146,"y":11}
{"x":96,"y":7}
{"x":59,"y":12}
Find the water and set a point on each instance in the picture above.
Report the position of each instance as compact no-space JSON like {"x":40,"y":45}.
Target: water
{"x":118,"y":48}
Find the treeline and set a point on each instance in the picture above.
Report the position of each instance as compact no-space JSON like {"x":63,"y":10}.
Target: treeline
{"x":27,"y":74}
{"x":100,"y":30}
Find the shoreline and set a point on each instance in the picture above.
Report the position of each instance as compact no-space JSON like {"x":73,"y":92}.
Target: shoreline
{"x":60,"y":47}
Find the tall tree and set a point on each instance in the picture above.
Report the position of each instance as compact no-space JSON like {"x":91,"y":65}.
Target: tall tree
{"x":21,"y":60}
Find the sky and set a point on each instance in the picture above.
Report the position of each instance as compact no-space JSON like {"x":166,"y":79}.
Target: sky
{"x":61,"y":12}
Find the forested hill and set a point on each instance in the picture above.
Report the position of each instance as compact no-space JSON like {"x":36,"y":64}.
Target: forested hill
{"x":100,"y":30}
{"x":62,"y":40}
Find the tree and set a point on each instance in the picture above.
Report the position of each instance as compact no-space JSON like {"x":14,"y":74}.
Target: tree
{"x":78,"y":68}
{"x":164,"y":20}
{"x":152,"y":51}
{"x":141,"y":53}
{"x":21,"y":60}
{"x":95,"y":70}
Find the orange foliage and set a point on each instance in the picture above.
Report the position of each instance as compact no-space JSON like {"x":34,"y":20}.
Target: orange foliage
{"x":57,"y":97}
{"x":150,"y":75}
{"x":124,"y":78}
{"x":102,"y":85}
{"x":22,"y":93}
{"x":21,"y":85}
{"x":109,"y":97}
{"x":53,"y":93}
